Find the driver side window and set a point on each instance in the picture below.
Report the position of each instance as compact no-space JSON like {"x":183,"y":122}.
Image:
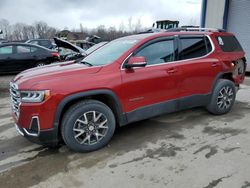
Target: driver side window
{"x":158,"y":52}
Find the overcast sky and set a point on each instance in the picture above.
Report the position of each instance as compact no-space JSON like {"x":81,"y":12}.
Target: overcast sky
{"x":91,"y":13}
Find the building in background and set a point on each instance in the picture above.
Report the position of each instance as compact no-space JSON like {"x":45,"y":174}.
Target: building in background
{"x":231,"y":15}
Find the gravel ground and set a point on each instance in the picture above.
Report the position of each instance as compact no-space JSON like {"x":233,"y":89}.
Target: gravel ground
{"x":4,"y":82}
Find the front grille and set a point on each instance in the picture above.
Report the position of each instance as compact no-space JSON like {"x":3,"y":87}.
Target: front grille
{"x":15,"y":98}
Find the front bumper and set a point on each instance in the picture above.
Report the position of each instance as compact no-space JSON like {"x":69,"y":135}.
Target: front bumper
{"x":48,"y":137}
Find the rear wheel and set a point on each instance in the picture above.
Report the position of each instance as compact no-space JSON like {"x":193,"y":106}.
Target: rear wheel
{"x":88,"y":126}
{"x":223,"y":97}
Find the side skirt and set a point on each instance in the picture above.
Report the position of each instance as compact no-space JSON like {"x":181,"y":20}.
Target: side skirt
{"x":153,"y":110}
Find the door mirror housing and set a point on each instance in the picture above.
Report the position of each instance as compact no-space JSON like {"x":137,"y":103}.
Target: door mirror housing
{"x":134,"y":61}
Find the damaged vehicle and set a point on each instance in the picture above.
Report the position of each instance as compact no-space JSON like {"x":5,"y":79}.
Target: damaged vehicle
{"x":69,"y":51}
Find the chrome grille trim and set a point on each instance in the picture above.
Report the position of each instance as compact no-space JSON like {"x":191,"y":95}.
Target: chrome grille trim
{"x":15,"y":98}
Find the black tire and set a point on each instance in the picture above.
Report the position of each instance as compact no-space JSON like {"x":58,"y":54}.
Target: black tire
{"x":219,"y":103}
{"x":74,"y":117}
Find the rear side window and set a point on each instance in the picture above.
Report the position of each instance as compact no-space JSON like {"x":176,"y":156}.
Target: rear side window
{"x":44,"y":43}
{"x":229,"y":43}
{"x":23,"y":49}
{"x":158,"y":52}
{"x":34,"y":42}
{"x":193,"y":47}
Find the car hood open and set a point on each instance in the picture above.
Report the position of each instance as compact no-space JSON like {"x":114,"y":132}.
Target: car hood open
{"x":65,"y":44}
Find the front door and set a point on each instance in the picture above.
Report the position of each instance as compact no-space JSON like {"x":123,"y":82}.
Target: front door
{"x":154,"y":84}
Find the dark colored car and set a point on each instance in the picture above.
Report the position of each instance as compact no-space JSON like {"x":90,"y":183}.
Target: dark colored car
{"x":129,"y":79}
{"x":16,"y":57}
{"x":47,"y":43}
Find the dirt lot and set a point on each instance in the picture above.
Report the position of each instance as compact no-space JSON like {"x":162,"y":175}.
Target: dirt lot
{"x":4,"y":82}
{"x":186,"y":149}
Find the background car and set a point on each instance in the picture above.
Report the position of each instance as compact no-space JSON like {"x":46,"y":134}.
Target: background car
{"x":69,"y":51}
{"x":16,"y":57}
{"x":47,"y":43}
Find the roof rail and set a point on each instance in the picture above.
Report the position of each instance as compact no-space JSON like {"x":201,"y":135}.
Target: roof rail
{"x":195,"y":29}
{"x":152,"y":30}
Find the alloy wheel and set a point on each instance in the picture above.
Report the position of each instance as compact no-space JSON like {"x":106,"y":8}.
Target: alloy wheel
{"x":90,"y":128}
{"x":225,"y":97}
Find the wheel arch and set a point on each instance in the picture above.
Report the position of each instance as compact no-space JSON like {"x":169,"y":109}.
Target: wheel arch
{"x":106,"y":96}
{"x":223,"y":75}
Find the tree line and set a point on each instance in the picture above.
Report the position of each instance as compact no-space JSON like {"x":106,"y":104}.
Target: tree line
{"x":21,"y":31}
{"x":40,"y":29}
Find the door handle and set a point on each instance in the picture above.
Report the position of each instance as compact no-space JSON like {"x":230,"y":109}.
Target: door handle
{"x":172,"y":70}
{"x":214,"y":64}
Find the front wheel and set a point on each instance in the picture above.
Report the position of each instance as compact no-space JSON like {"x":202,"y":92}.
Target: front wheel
{"x":87,"y":126}
{"x":223,"y":97}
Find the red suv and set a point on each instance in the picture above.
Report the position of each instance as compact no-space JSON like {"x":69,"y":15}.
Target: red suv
{"x":127,"y":80}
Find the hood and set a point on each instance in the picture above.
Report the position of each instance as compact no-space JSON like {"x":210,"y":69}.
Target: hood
{"x":68,"y":45}
{"x":53,"y":72}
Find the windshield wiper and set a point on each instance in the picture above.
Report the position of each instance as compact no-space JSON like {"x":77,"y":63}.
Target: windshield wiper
{"x":86,"y":63}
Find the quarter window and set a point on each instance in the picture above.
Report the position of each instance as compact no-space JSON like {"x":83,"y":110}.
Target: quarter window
{"x":193,"y":47}
{"x":158,"y":52}
{"x":6,"y":50}
{"x":229,"y":44}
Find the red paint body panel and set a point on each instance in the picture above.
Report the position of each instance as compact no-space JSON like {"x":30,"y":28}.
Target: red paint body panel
{"x":135,"y":88}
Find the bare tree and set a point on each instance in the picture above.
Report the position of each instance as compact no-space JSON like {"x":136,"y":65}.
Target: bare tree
{"x":17,"y":33}
{"x":44,"y":31}
{"x":5,"y":27}
{"x":21,"y":31}
{"x":122,"y":27}
{"x":138,"y":26}
{"x":130,"y":26}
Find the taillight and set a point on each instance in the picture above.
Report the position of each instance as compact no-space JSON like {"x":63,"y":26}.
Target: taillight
{"x":55,"y":54}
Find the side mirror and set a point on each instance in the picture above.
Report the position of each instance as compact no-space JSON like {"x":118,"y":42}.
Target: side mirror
{"x":134,"y":61}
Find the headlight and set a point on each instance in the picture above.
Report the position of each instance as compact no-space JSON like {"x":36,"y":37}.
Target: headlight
{"x":34,"y":96}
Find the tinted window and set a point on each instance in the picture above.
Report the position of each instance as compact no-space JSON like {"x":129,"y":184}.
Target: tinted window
{"x":192,"y":47}
{"x":34,"y":49}
{"x":159,"y":52}
{"x":33,"y":42}
{"x":23,"y":49}
{"x":229,"y":43}
{"x":45,"y":43}
{"x":6,"y":50}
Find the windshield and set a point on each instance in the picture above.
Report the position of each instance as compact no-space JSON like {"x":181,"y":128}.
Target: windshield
{"x":109,"y":52}
{"x":95,"y":47}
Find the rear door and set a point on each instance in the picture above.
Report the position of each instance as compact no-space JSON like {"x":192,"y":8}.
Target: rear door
{"x":199,"y":69}
{"x":6,"y":59}
{"x":155,"y":83}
